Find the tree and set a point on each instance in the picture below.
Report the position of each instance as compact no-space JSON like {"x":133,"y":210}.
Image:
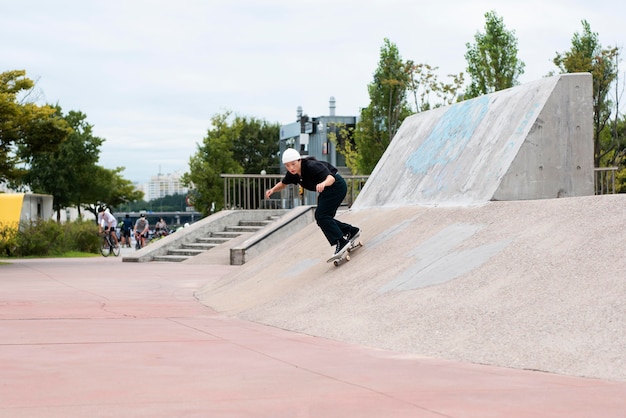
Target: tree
{"x":67,"y":172}
{"x":234,"y":145}
{"x":214,"y":157}
{"x":256,"y":145}
{"x":167,"y":203}
{"x":388,"y":107}
{"x":25,"y":128}
{"x":492,"y":62}
{"x":424,"y":83}
{"x":109,"y":189}
{"x":587,"y":55}
{"x":71,"y":174}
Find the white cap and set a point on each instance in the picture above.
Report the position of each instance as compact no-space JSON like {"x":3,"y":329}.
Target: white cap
{"x":290,"y":155}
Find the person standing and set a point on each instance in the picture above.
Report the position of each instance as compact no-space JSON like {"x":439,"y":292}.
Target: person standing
{"x":127,"y":227}
{"x":323,"y":178}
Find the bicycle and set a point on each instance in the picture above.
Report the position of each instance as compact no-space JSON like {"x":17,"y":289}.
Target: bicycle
{"x":108,"y":245}
{"x":138,"y":241}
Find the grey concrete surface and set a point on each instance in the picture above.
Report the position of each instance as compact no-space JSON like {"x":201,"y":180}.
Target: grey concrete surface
{"x":533,"y":285}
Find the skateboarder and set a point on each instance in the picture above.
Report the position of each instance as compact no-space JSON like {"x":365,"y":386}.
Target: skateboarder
{"x":321,"y":177}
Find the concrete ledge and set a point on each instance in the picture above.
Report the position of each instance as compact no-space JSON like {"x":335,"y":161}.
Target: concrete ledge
{"x":267,"y":237}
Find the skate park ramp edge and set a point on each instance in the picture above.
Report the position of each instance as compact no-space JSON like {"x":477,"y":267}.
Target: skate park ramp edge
{"x":532,"y":141}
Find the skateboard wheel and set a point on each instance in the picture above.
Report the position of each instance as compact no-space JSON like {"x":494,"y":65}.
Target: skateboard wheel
{"x":347,"y":257}
{"x":336,"y":263}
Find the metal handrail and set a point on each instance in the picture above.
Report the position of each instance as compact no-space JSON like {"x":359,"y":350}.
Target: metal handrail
{"x":247,"y":191}
{"x":604,"y":180}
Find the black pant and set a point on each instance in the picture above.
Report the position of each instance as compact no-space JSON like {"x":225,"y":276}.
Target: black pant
{"x":327,"y":204}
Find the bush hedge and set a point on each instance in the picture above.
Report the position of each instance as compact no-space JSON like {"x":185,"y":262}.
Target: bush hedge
{"x":48,"y":238}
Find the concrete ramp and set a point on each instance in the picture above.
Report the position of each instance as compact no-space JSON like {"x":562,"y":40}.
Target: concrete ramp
{"x":532,"y":141}
{"x":468,"y":253}
{"x":535,"y":284}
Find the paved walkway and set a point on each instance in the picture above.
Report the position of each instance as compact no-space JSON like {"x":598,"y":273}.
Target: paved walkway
{"x":101,"y":338}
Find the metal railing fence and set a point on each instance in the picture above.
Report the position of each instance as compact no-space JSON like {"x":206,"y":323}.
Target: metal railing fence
{"x":247,"y":191}
{"x":604,"y":180}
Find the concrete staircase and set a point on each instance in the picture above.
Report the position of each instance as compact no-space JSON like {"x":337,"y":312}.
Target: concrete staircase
{"x":226,"y":237}
{"x":214,"y":239}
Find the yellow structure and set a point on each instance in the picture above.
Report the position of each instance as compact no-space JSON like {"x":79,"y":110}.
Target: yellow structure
{"x":18,"y":207}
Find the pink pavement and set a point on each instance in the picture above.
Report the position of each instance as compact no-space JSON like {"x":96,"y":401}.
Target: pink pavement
{"x":100,"y":338}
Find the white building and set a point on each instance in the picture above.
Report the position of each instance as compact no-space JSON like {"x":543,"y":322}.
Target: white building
{"x":163,"y":185}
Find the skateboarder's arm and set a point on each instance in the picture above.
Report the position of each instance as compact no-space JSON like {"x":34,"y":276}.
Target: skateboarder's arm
{"x":329,"y":181}
{"x":277,"y":188}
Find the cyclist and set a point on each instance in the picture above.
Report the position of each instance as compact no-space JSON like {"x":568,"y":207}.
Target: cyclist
{"x":141,"y":229}
{"x":108,"y":223}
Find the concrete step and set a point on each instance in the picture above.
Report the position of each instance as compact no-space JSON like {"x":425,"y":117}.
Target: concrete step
{"x":255,"y":223}
{"x":188,"y":252}
{"x":242,"y":228}
{"x":226,"y":234}
{"x":171,"y":258}
{"x":199,"y":246}
{"x":212,"y":240}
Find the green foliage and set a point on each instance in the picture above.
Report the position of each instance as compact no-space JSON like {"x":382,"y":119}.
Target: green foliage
{"x":255,"y":146}
{"x":428,"y":91}
{"x":66,"y":173}
{"x":8,"y":239}
{"x":492,"y":62}
{"x":70,"y":173}
{"x":388,"y":107}
{"x":49,"y":238}
{"x":170,"y":203}
{"x":109,"y":189}
{"x":587,"y":55}
{"x":241,"y":146}
{"x":343,"y":139}
{"x":620,"y":181}
{"x":26,"y":130}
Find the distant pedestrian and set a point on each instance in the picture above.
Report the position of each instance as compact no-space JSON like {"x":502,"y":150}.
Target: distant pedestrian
{"x":127,"y":227}
{"x":160,"y":229}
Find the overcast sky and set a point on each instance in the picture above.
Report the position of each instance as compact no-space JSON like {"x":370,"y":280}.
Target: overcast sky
{"x":149,"y":74}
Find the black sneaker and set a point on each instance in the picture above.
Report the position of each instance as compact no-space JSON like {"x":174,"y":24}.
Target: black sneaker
{"x":353,"y":234}
{"x":342,"y":246}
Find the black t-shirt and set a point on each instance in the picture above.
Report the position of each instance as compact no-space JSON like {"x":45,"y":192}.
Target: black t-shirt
{"x":313,"y":172}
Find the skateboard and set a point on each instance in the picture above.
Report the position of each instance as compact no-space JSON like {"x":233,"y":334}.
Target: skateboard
{"x":345,"y":256}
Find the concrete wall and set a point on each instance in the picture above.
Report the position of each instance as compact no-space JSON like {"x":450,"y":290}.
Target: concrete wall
{"x":529,"y":142}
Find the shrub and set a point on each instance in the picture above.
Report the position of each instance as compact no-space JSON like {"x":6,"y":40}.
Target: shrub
{"x":49,"y":238}
{"x":83,"y":236}
{"x":8,"y":239}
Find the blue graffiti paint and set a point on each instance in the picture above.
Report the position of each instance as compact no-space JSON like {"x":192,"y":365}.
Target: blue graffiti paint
{"x":450,"y":136}
{"x":528,"y":116}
